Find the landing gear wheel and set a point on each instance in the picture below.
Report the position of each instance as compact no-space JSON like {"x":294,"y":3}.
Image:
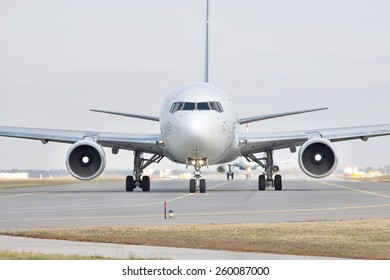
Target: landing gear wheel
{"x":192,"y":186}
{"x":232,"y":175}
{"x":227,"y":176}
{"x":262,"y":183}
{"x":202,"y":186}
{"x":278,"y":183}
{"x":129,"y":183}
{"x":145,"y":184}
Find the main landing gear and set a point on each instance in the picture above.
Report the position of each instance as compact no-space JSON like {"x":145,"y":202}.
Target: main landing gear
{"x":267,"y":179}
{"x":139,"y":181}
{"x":230,"y":173}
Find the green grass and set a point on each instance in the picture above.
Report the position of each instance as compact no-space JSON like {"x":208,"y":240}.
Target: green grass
{"x":367,"y":239}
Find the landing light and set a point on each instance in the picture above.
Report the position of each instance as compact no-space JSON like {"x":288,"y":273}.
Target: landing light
{"x":197,"y":162}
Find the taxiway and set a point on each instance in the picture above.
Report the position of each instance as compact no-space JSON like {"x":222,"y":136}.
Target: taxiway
{"x":102,"y":203}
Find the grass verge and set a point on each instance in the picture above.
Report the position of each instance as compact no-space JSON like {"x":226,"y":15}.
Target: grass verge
{"x":8,"y":255}
{"x":27,"y":183}
{"x":367,"y":239}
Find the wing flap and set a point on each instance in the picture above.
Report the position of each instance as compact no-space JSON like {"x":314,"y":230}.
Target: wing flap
{"x":133,"y":142}
{"x":275,"y":141}
{"x":357,"y":132}
{"x":260,"y":142}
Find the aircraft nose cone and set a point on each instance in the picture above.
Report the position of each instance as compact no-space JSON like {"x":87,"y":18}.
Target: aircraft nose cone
{"x":196,"y":130}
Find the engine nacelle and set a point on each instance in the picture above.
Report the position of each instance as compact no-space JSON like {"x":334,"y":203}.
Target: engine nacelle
{"x":85,"y":160}
{"x":317,"y":158}
{"x":221,"y":169}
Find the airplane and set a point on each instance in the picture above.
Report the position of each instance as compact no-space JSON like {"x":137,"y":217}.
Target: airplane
{"x":199,"y":127}
{"x":241,"y":163}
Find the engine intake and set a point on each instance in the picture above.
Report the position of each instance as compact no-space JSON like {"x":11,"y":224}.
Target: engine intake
{"x":85,"y":160}
{"x":317,"y":158}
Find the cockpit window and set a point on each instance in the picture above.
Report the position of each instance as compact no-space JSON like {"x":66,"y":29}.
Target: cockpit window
{"x":216,"y":106}
{"x":176,"y":107}
{"x":203,"y":106}
{"x":190,"y":106}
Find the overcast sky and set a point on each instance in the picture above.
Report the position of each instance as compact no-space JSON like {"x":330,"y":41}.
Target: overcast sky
{"x":60,"y":58}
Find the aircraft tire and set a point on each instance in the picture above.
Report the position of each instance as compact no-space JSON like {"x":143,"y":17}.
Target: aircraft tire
{"x":129,"y":183}
{"x":262,"y":183}
{"x":145,"y":183}
{"x":278,"y":183}
{"x":202,"y":186}
{"x":192,"y":186}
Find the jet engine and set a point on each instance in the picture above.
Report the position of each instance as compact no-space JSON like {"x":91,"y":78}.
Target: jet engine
{"x":317,"y":158}
{"x":85,"y":160}
{"x":221,"y":169}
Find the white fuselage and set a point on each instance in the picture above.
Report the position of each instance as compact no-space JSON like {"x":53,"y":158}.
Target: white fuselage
{"x":198,"y":121}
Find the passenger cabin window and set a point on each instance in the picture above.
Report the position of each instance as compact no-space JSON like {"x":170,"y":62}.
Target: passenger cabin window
{"x":190,"y":106}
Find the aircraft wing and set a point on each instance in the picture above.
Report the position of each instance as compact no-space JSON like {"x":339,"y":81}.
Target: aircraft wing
{"x":139,"y":142}
{"x":277,"y":115}
{"x":145,"y":117}
{"x":260,"y":142}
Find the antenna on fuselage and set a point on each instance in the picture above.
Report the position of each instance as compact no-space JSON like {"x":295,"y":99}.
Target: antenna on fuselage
{"x":207,"y":54}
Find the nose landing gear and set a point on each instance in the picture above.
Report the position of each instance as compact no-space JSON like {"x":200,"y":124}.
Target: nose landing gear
{"x":197,"y":182}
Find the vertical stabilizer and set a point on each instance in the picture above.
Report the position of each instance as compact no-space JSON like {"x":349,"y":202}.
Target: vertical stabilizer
{"x":207,"y":54}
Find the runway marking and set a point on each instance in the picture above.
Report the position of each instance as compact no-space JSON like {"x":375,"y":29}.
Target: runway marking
{"x":180,"y":197}
{"x":191,"y":214}
{"x":95,"y":207}
{"x":356,"y":190}
{"x":286,"y":210}
{"x":202,"y":214}
{"x":150,"y":203}
{"x":30,"y":193}
{"x":65,"y":189}
{"x":191,"y":194}
{"x":219,"y":185}
{"x":15,"y":195}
